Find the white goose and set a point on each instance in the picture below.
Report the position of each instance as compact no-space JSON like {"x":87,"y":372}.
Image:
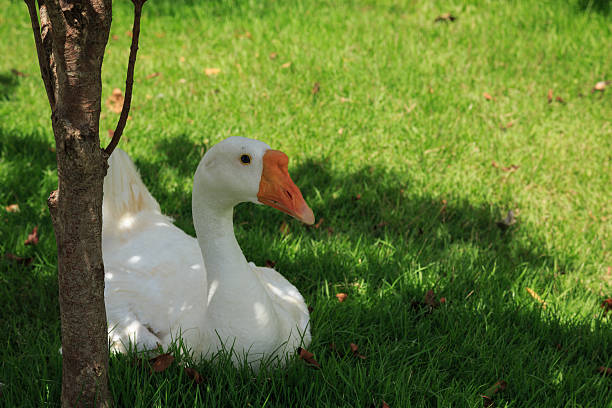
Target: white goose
{"x":162,"y":283}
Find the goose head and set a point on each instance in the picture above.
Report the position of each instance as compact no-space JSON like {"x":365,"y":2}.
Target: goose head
{"x":239,"y":169}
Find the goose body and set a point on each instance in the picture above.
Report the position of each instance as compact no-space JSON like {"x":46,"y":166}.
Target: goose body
{"x":162,"y":284}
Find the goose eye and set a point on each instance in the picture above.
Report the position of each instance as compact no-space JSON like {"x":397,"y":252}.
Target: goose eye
{"x":245,"y":159}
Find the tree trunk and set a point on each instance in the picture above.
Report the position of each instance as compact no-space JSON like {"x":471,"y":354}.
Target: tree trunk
{"x":71,"y":49}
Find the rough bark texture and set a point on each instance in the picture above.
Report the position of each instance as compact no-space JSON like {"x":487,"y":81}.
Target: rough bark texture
{"x":70,"y":50}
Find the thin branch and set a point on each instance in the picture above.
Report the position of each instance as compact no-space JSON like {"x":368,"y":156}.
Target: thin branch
{"x":43,"y":58}
{"x":129,"y":81}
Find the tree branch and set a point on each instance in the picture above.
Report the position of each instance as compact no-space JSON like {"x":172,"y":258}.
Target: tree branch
{"x":129,"y":81}
{"x":43,"y":57}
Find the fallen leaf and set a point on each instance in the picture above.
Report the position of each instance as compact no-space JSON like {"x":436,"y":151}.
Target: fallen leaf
{"x":194,"y":375}
{"x":430,"y":299}
{"x":507,"y":222}
{"x":487,"y":96}
{"x":115,"y":101}
{"x":512,"y":168}
{"x":19,"y":259}
{"x":308,"y":357}
{"x":273,"y":55}
{"x":318,"y":224}
{"x":446,"y":17}
{"x":506,"y":126}
{"x":355,"y":351}
{"x":442,"y":300}
{"x":316,"y":88}
{"x":606,"y":305}
{"x":284,"y":228}
{"x":357,"y":197}
{"x":270,"y":263}
{"x":32,"y":238}
{"x":12,"y":208}
{"x":129,"y":33}
{"x":605,"y":370}
{"x":491,"y":391}
{"x":18,"y":73}
{"x":340,"y":131}
{"x":536,"y":297}
{"x":380,"y":225}
{"x":344,"y":100}
{"x":384,"y":404}
{"x":115,"y":37}
{"x":153,"y":75}
{"x":494,"y":164}
{"x":559,"y":99}
{"x":601,"y":86}
{"x":246,"y":34}
{"x":181,"y":59}
{"x":111,"y":133}
{"x":212,"y":71}
{"x":160,"y":35}
{"x":286,"y":65}
{"x":550,"y":96}
{"x":161,"y":362}
{"x":341,"y":297}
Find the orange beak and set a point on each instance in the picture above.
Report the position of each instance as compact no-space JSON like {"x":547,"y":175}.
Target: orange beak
{"x":277,"y":190}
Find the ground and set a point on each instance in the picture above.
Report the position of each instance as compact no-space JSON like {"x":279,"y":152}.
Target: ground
{"x":411,"y":139}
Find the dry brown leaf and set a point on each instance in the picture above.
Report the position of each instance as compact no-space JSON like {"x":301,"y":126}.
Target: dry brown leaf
{"x":430,"y":299}
{"x":273,"y":55}
{"x":355,"y":351}
{"x":536,"y":297}
{"x":32,"y":238}
{"x":340,"y":131}
{"x":160,"y":35}
{"x":316,"y":88}
{"x":286,"y":65}
{"x":284,"y":228}
{"x":384,"y":404}
{"x":153,"y":75}
{"x":446,"y":17}
{"x":308,"y":357}
{"x":194,"y":375}
{"x":512,"y":168}
{"x":606,"y":305}
{"x":318,"y":224}
{"x":129,"y":33}
{"x":344,"y":100}
{"x":115,"y":37}
{"x":246,"y":34}
{"x":212,"y":71}
{"x":341,"y":297}
{"x":19,"y":259}
{"x":487,"y":96}
{"x":115,"y":101}
{"x":506,"y":126}
{"x":605,"y":370}
{"x":18,"y":73}
{"x":559,"y":99}
{"x":357,"y":197}
{"x":487,"y":396}
{"x":601,"y":86}
{"x":270,"y":263}
{"x":12,"y":208}
{"x":110,"y":133}
{"x":161,"y":362}
{"x":550,"y":96}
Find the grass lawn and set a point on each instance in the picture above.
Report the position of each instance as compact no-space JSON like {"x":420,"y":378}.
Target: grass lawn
{"x":410,"y":140}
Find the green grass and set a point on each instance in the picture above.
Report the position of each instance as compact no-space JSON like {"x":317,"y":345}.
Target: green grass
{"x":401,"y":120}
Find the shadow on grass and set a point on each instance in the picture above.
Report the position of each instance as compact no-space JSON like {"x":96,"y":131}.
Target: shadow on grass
{"x":469,"y":342}
{"x":8,"y":83}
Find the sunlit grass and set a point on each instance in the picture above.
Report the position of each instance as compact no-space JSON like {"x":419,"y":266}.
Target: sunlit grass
{"x":395,"y":153}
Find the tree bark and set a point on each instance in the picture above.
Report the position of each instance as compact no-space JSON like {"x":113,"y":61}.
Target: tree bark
{"x":71,"y":50}
{"x":70,"y":42}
